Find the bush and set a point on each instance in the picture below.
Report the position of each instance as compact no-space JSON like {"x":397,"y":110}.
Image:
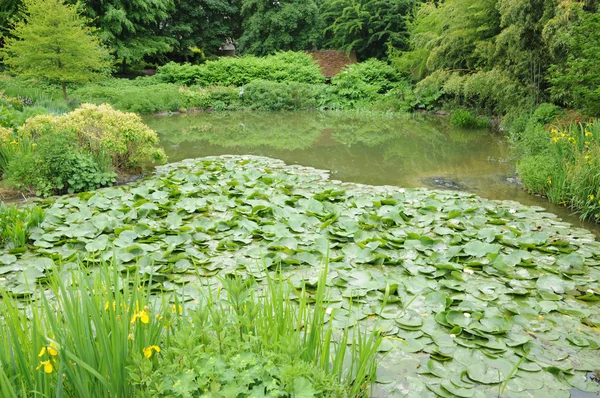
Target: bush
{"x":430,"y":90}
{"x":465,"y":119}
{"x":264,"y":95}
{"x":55,"y":166}
{"x":373,"y":72}
{"x":102,"y":131}
{"x":238,"y":71}
{"x":348,"y":93}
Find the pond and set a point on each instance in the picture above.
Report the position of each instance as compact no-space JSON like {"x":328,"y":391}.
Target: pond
{"x":406,"y":151}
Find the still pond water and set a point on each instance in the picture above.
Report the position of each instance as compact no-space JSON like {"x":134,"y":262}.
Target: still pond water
{"x":406,"y":151}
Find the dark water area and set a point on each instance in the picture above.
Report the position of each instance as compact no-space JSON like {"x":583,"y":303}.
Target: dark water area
{"x":406,"y":150}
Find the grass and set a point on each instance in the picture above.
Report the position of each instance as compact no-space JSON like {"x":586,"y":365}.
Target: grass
{"x":102,"y":333}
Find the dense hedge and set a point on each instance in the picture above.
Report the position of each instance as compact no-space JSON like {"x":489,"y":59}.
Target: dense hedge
{"x":237,"y":71}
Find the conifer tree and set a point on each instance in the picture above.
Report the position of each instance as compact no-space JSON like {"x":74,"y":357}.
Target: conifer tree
{"x":52,"y":42}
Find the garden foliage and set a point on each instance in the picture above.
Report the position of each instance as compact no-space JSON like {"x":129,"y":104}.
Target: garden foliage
{"x":229,"y":71}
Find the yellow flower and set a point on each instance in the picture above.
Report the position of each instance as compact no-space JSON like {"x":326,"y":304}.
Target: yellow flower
{"x":47,"y":366}
{"x":550,"y":181}
{"x":149,"y":350}
{"x":588,"y":134}
{"x":591,"y":197}
{"x":52,"y":349}
{"x":175,"y":308}
{"x":142,"y":316}
{"x":555,"y":139}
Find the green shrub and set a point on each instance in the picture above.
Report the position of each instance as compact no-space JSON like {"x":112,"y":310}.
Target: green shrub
{"x":373,"y":72}
{"x":430,"y":90}
{"x":123,"y":137}
{"x":465,"y":119}
{"x":238,"y":71}
{"x":264,"y":95}
{"x":348,"y":93}
{"x":545,"y":114}
{"x":16,"y":222}
{"x":55,"y":166}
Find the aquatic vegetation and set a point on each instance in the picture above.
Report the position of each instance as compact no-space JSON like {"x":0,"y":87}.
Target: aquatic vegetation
{"x":475,"y":297}
{"x":564,"y":165}
{"x":16,"y":224}
{"x":106,"y":335}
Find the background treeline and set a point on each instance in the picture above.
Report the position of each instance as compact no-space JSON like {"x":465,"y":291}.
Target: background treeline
{"x":157,"y":31}
{"x":492,"y":55}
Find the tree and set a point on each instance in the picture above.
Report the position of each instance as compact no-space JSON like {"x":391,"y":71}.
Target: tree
{"x":52,"y":42}
{"x":131,"y":28}
{"x":576,"y":83}
{"x":367,"y":26}
{"x":279,"y":25}
{"x":204,"y":26}
{"x":8,"y":10}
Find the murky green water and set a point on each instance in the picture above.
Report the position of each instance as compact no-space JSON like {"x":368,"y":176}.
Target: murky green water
{"x":406,"y":151}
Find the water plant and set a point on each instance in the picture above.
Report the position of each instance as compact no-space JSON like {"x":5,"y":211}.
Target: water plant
{"x":472,"y":296}
{"x":106,"y":334}
{"x":16,"y":224}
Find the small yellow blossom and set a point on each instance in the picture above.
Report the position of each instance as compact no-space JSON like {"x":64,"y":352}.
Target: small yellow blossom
{"x":52,"y":350}
{"x":142,"y":316}
{"x":555,"y":139}
{"x":176,"y":308}
{"x":48,"y":368}
{"x":149,"y":350}
{"x":550,"y":181}
{"x":591,"y":197}
{"x":588,"y":134}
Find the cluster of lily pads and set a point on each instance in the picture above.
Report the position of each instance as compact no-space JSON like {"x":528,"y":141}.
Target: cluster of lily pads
{"x":476,"y":298}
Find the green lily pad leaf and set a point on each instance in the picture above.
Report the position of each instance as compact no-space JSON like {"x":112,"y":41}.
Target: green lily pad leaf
{"x":481,"y":249}
{"x":412,"y":345}
{"x":98,"y":244}
{"x":7,"y":259}
{"x":436,"y":301}
{"x":457,"y":391}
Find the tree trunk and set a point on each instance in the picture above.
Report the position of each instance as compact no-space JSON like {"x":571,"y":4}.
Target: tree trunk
{"x":64,"y":89}
{"x":123,"y":66}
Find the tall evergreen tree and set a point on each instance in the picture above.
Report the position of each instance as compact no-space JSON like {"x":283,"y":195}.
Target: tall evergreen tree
{"x":276,"y":25}
{"x":52,"y":42}
{"x":131,"y":28}
{"x":367,"y":26}
{"x":8,"y":10}
{"x":204,"y":25}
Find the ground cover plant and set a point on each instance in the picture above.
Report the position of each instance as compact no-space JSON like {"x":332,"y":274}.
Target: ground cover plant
{"x":475,"y":297}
